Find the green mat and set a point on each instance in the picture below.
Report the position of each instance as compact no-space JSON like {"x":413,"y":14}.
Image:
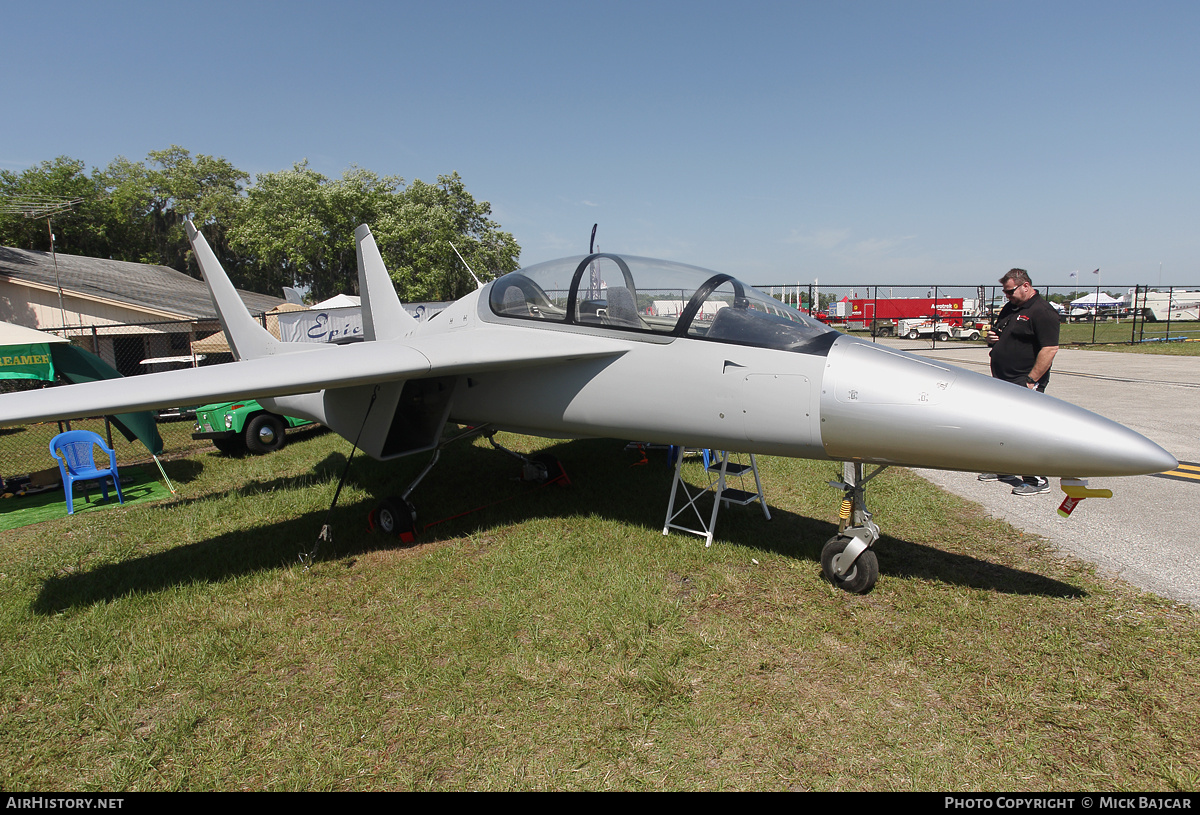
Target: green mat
{"x":145,"y":487}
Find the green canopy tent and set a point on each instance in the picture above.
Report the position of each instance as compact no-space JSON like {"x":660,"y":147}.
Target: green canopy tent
{"x":26,"y":361}
{"x":29,"y":354}
{"x":77,"y":365}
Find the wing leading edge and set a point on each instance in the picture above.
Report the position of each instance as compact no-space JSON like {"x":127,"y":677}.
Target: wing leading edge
{"x":325,"y":367}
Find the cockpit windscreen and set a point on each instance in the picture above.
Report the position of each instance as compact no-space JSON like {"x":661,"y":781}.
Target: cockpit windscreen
{"x":629,"y":293}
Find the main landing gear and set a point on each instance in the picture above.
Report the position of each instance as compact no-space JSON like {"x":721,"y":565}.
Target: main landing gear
{"x":847,"y":560}
{"x":396,"y":516}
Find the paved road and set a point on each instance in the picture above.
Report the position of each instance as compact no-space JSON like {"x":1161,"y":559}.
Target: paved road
{"x":1148,"y":532}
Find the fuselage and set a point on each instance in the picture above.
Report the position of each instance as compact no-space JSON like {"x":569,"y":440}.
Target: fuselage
{"x":806,"y":391}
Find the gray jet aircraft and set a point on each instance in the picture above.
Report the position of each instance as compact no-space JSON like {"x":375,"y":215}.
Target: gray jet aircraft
{"x":611,"y":345}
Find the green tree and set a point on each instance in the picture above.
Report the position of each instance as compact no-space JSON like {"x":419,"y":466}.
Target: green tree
{"x":129,"y":211}
{"x":289,"y":228}
{"x":301,"y":224}
{"x":147,"y":205}
{"x":297,"y":227}
{"x":416,"y":241}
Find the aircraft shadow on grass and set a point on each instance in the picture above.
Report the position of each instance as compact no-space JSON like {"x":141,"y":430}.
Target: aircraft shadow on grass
{"x":604,"y":483}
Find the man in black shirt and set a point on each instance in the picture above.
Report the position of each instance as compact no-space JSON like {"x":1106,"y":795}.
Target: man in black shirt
{"x":1024,"y":341}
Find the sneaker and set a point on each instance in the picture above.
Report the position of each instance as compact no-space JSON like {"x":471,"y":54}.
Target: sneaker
{"x":987,"y":477}
{"x":1038,"y":487}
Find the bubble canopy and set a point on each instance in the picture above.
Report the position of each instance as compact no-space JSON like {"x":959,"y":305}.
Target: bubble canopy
{"x":636,"y":294}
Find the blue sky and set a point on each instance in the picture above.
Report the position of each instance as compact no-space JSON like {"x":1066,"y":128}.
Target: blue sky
{"x":850,"y":142}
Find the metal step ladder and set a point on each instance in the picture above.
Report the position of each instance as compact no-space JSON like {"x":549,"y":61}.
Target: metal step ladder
{"x":719,"y":468}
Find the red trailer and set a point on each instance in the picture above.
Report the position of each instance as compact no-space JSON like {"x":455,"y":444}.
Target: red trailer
{"x":881,"y":315}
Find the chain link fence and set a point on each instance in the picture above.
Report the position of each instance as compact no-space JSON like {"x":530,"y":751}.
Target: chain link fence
{"x":132,"y":349}
{"x":952,"y":313}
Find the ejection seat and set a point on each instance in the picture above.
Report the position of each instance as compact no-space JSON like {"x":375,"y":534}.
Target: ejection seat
{"x":620,"y":309}
{"x":514,"y":303}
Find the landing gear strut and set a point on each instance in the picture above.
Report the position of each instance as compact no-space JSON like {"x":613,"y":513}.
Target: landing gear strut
{"x":847,"y":560}
{"x":540,"y":468}
{"x":396,"y":515}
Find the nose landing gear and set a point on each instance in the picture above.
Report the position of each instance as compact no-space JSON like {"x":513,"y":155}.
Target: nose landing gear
{"x":847,"y":560}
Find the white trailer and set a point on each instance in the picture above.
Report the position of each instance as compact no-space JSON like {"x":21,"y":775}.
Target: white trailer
{"x":1163,"y":306}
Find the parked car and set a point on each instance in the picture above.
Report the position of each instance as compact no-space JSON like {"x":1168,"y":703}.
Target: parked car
{"x":243,"y":425}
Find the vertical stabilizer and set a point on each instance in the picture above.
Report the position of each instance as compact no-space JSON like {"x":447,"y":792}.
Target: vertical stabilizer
{"x":247,"y":339}
{"x":384,"y":318}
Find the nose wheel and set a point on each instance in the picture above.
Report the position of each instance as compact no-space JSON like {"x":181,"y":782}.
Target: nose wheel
{"x":847,"y":560}
{"x":856,"y":574}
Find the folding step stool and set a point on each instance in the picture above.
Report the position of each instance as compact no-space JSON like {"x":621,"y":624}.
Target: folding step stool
{"x":718,"y":467}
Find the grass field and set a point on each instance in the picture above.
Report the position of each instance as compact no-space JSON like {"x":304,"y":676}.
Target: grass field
{"x":1113,"y":336}
{"x":555,"y":639}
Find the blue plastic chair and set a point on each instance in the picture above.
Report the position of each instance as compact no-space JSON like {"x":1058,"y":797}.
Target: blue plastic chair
{"x":76,"y":461}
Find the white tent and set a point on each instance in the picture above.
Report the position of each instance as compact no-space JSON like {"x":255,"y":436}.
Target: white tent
{"x":338,"y":301}
{"x":1095,"y":299}
{"x":11,"y":334}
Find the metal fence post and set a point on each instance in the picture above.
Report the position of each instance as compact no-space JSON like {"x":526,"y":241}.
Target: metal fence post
{"x":1170,"y":302}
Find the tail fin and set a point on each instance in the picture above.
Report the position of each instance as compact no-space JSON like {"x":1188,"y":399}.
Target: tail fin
{"x":383,"y":316}
{"x":247,"y":339}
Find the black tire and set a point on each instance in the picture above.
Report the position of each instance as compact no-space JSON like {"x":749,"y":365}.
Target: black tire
{"x":231,"y":446}
{"x":396,"y":517}
{"x":914,"y":334}
{"x":264,"y":434}
{"x":543,"y":468}
{"x":554,"y":468}
{"x":943,"y":336}
{"x":974,"y":335}
{"x":862,"y":576}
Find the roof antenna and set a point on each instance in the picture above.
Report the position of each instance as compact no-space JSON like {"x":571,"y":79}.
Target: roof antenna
{"x":47,"y":206}
{"x":592,"y":244}
{"x":464,"y":262}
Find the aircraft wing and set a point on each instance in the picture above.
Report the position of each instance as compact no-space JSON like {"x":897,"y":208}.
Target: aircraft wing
{"x":324,"y":367}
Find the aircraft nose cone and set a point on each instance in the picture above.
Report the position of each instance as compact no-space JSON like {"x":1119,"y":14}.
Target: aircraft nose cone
{"x":885,"y":406}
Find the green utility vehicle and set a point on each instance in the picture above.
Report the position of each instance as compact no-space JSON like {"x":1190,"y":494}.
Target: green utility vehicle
{"x":243,"y":425}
